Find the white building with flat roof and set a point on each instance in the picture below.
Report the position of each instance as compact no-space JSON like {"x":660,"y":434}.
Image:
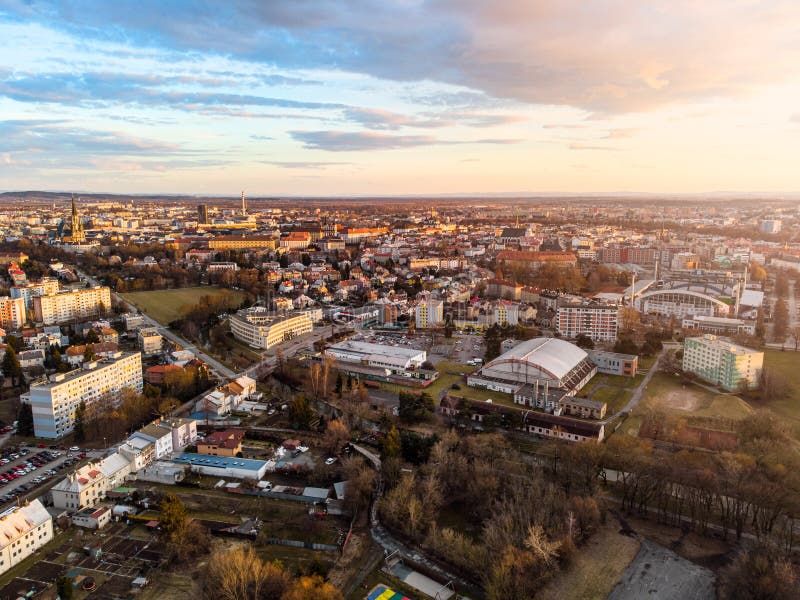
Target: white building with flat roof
{"x":721,"y":362}
{"x":261,"y":328}
{"x":395,"y":358}
{"x":23,"y":531}
{"x":72,"y":305}
{"x":55,"y":400}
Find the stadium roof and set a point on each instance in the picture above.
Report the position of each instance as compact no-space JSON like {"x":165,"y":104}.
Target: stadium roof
{"x":550,"y":354}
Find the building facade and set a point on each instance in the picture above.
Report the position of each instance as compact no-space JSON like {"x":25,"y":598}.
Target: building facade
{"x":721,"y":362}
{"x":597,"y":320}
{"x":260,"y":329}
{"x":12,"y":312}
{"x":54,"y":401}
{"x":25,"y":529}
{"x":72,"y":305}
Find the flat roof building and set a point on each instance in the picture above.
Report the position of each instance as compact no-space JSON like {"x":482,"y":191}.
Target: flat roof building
{"x":222,"y":466}
{"x":383,"y":356}
{"x":723,"y":363}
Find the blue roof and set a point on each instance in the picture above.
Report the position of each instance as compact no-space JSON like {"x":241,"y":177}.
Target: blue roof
{"x":222,"y":462}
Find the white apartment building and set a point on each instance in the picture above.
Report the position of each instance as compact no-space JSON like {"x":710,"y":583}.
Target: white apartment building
{"x":595,"y":320}
{"x":12,"y":312}
{"x":23,"y":530}
{"x":76,"y":304}
{"x":721,"y":362}
{"x":150,"y":341}
{"x":55,"y":400}
{"x":46,"y":287}
{"x":260,"y":329}
{"x":429,"y":313}
{"x":160,"y":436}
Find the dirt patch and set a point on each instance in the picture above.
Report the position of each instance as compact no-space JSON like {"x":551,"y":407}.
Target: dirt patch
{"x":680,"y":400}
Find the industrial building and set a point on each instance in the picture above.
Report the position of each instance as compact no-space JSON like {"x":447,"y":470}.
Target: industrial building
{"x":394,"y":358}
{"x":222,"y":466}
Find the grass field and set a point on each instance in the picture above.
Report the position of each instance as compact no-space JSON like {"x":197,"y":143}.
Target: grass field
{"x":167,"y":305}
{"x":788,"y":365}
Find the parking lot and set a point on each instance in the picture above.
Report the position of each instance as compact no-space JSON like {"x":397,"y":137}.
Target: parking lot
{"x":22,"y":469}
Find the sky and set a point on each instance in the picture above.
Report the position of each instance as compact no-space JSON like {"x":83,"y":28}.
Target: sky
{"x":382,"y":97}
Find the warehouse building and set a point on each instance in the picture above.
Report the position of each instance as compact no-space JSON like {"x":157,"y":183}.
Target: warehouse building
{"x":222,"y":466}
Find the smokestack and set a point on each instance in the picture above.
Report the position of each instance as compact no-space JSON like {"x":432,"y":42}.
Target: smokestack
{"x":244,"y":204}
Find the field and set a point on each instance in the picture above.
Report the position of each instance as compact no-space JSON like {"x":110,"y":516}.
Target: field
{"x":167,"y":305}
{"x":595,"y":571}
{"x":788,"y":365}
{"x":692,"y":401}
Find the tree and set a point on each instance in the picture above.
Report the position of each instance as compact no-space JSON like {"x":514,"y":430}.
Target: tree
{"x":300,"y":412}
{"x":10,"y":366}
{"x":92,"y":337}
{"x":311,"y":586}
{"x":339,"y":383}
{"x":392,"y":446}
{"x":415,"y":407}
{"x":79,"y":428}
{"x":88,"y":353}
{"x":173,"y":514}
{"x":239,"y":574}
{"x":780,"y":319}
{"x":336,"y":435}
{"x":584,"y":341}
{"x":758,"y":574}
{"x":774,"y":386}
{"x":64,"y":588}
{"x":25,"y":420}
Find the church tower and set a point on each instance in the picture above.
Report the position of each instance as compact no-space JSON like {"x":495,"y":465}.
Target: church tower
{"x":78,"y":236}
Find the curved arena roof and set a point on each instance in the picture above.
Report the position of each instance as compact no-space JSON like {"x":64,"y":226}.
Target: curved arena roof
{"x":550,"y":355}
{"x":685,"y":293}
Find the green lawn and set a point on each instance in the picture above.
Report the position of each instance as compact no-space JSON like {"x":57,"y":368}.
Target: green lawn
{"x":167,"y":305}
{"x":788,"y":365}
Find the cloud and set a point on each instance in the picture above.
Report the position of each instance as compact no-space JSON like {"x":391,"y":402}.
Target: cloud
{"x":347,"y":141}
{"x":384,"y":119}
{"x":579,"y":146}
{"x":795,"y":118}
{"x":303,"y":164}
{"x":92,"y":89}
{"x":622,"y":133}
{"x":343,"y":141}
{"x":603,"y":56}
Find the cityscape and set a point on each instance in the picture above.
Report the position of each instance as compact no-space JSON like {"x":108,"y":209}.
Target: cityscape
{"x":392,"y":374}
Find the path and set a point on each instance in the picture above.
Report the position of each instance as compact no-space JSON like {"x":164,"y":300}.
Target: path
{"x":638,"y":393}
{"x":387,"y":541}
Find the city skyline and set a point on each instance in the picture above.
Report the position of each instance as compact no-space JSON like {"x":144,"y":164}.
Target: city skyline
{"x":407,"y":98}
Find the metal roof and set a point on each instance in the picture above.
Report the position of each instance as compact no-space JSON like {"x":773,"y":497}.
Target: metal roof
{"x":549,"y":354}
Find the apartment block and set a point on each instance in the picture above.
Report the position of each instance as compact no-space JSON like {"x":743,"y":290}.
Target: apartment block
{"x":721,"y":362}
{"x":72,"y":305}
{"x":429,"y":313}
{"x":23,"y":531}
{"x":150,"y":341}
{"x":55,"y":400}
{"x":12,"y":312}
{"x":596,"y":320}
{"x":46,"y":287}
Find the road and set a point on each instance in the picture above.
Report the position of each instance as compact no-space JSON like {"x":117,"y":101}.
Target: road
{"x":269,"y":361}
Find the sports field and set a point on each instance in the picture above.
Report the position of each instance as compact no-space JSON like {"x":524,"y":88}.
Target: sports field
{"x":167,"y":305}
